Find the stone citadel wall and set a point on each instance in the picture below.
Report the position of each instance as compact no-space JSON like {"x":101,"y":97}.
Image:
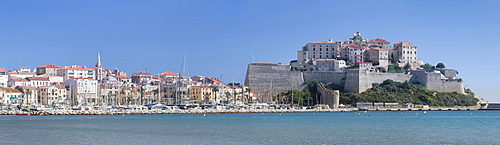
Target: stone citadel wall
{"x":437,"y":81}
{"x":264,"y":78}
{"x":360,"y":81}
{"x":273,"y":77}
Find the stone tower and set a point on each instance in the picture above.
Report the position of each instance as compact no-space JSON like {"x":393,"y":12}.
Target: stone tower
{"x":99,"y":73}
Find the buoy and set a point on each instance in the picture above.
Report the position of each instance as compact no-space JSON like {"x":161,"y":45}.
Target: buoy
{"x":401,"y":112}
{"x":425,"y":111}
{"x":262,"y":113}
{"x":359,"y":113}
{"x":280,"y":114}
{"x":470,"y":113}
{"x":204,"y":114}
{"x":313,"y":113}
{"x":364,"y":112}
{"x":417,"y":113}
{"x":123,"y":115}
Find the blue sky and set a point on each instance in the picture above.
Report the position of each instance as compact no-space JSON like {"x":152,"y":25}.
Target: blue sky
{"x":222,"y":37}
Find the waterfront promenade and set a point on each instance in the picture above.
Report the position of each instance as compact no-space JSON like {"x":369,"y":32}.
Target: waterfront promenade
{"x":221,"y":111}
{"x":432,"y":108}
{"x":159,"y":111}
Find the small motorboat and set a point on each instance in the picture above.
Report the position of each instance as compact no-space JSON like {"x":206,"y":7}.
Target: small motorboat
{"x":24,"y":113}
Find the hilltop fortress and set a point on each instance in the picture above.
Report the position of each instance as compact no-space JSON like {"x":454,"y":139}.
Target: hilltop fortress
{"x":355,"y":64}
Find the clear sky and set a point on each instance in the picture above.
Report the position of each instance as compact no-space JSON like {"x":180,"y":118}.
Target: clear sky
{"x":221,"y":37}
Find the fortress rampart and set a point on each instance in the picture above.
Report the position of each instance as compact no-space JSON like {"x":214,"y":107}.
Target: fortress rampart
{"x":273,"y":77}
{"x":265,"y":78}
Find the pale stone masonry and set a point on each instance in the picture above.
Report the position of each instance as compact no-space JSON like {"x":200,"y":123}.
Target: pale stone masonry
{"x":357,"y":50}
{"x":327,"y":62}
{"x":4,"y":78}
{"x":82,"y":90}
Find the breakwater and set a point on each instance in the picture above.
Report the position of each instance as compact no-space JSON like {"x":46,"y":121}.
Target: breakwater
{"x":421,"y":109}
{"x":193,"y":111}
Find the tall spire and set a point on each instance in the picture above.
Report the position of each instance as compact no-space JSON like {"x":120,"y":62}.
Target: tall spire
{"x":98,"y":64}
{"x":99,"y":74}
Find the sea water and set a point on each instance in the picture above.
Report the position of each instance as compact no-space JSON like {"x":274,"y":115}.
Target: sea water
{"x":410,"y":127}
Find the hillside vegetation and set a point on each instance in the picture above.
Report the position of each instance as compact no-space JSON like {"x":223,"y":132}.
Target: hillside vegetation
{"x":390,"y":91}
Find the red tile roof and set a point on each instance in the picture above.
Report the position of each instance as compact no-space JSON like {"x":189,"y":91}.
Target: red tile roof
{"x":82,"y":78}
{"x":142,"y":73}
{"x":215,"y":79}
{"x":167,"y":73}
{"x":9,"y":90}
{"x":37,"y":78}
{"x":76,"y":68}
{"x":18,"y":79}
{"x":49,"y":65}
{"x":2,"y":70}
{"x":376,"y":48}
{"x":355,"y":47}
{"x":404,"y":43}
{"x":25,"y":73}
{"x":124,"y":77}
{"x":378,"y":40}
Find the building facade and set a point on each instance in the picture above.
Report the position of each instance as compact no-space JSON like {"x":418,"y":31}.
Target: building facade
{"x":74,"y":71}
{"x":82,"y":90}
{"x":52,"y":95}
{"x":49,"y":69}
{"x":4,"y":78}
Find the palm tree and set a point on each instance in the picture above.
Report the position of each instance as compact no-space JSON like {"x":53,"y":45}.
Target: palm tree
{"x":141,"y":90}
{"x":248,"y":90}
{"x":122,"y":92}
{"x":157,"y":93}
{"x":215,"y":90}
{"x":28,"y":95}
{"x":227,"y":94}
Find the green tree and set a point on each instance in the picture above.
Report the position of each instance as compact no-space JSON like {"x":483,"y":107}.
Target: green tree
{"x":28,"y":95}
{"x":233,"y":84}
{"x":440,"y":65}
{"x":394,"y":68}
{"x":349,"y":64}
{"x":427,"y":66}
{"x":141,"y":90}
{"x":215,"y":90}
{"x":407,"y":66}
{"x":248,"y":98}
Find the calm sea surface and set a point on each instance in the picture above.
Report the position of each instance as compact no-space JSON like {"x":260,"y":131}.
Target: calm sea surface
{"x":433,"y":127}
